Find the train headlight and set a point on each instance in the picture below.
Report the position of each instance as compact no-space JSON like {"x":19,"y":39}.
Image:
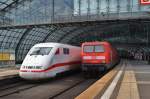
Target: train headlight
{"x":103,"y":61}
{"x":100,"y":57}
{"x":87,"y":57}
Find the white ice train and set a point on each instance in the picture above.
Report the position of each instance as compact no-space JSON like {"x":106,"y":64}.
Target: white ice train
{"x":46,"y":60}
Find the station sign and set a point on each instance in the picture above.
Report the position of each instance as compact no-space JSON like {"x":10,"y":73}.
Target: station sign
{"x":145,"y":2}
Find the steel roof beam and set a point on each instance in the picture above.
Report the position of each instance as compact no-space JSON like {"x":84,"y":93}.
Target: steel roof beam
{"x":9,"y":5}
{"x":3,"y":3}
{"x":51,"y":32}
{"x":12,"y":5}
{"x":20,"y":40}
{"x":84,"y":23}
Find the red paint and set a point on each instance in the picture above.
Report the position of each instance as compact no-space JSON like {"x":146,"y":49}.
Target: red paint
{"x":57,"y":52}
{"x":54,"y":66}
{"x":23,"y":71}
{"x":144,"y":2}
{"x":108,"y":51}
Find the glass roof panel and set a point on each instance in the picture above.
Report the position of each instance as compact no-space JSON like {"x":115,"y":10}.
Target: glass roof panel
{"x":5,"y":3}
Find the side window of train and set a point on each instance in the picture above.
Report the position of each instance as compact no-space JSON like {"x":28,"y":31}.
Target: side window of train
{"x":66,"y":51}
{"x":57,"y":52}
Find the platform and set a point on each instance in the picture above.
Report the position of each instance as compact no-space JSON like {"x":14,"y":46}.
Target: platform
{"x":8,"y":71}
{"x":129,"y":80}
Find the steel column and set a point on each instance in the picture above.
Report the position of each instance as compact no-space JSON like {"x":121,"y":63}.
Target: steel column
{"x":53,"y":10}
{"x":98,"y":7}
{"x":79,"y":1}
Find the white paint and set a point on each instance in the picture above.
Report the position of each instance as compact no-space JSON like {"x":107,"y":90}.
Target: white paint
{"x":100,"y":57}
{"x":87,"y":57}
{"x":46,"y":61}
{"x":112,"y":86}
{"x":92,"y":57}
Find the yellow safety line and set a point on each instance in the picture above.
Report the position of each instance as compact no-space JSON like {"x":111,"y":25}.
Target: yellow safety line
{"x":109,"y":91}
{"x":129,"y":88}
{"x":97,"y":88}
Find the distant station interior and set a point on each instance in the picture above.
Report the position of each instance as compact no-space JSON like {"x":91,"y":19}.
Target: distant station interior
{"x":123,"y":23}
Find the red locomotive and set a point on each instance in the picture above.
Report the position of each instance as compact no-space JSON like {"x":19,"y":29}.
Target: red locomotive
{"x":98,"y":56}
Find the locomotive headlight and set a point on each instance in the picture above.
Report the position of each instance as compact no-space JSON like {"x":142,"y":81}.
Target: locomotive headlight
{"x":103,"y":61}
{"x":100,"y":57}
{"x":87,"y":57}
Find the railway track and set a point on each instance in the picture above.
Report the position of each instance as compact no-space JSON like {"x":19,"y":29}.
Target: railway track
{"x":54,"y":88}
{"x":9,"y":79}
{"x":23,"y":86}
{"x":67,"y":89}
{"x":18,"y":86}
{"x":10,"y":85}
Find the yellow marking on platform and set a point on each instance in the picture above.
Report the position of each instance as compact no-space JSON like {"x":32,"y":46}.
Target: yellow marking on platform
{"x":129,"y":88}
{"x":94,"y":91}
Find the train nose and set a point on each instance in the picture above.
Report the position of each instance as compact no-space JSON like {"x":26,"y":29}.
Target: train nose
{"x":31,"y":75}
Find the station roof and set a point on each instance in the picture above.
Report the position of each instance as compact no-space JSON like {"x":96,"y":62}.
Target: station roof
{"x":22,"y":37}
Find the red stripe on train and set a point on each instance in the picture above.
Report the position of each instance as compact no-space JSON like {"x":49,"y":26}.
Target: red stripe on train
{"x":54,"y":66}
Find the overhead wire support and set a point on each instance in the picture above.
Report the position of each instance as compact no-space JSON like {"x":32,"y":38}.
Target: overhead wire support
{"x":118,"y":7}
{"x":79,"y":2}
{"x":98,"y":7}
{"x":88,"y":9}
{"x":108,"y":8}
{"x":53,"y":11}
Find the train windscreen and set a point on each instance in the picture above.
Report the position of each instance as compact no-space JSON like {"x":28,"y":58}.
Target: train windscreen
{"x":88,"y":49}
{"x":93,"y":48}
{"x":99,"y":48}
{"x":40,"y":51}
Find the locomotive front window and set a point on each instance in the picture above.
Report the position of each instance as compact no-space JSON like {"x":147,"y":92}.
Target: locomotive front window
{"x":93,"y":48}
{"x":99,"y":48}
{"x":88,"y":49}
{"x":40,"y":51}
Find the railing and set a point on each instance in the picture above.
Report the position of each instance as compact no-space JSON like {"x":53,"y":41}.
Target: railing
{"x":101,"y":17}
{"x":91,"y":17}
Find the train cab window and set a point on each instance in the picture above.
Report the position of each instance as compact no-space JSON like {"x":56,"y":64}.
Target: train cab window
{"x":65,"y":50}
{"x":93,"y":48}
{"x":40,"y":51}
{"x":88,"y":48}
{"x":99,"y":48}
